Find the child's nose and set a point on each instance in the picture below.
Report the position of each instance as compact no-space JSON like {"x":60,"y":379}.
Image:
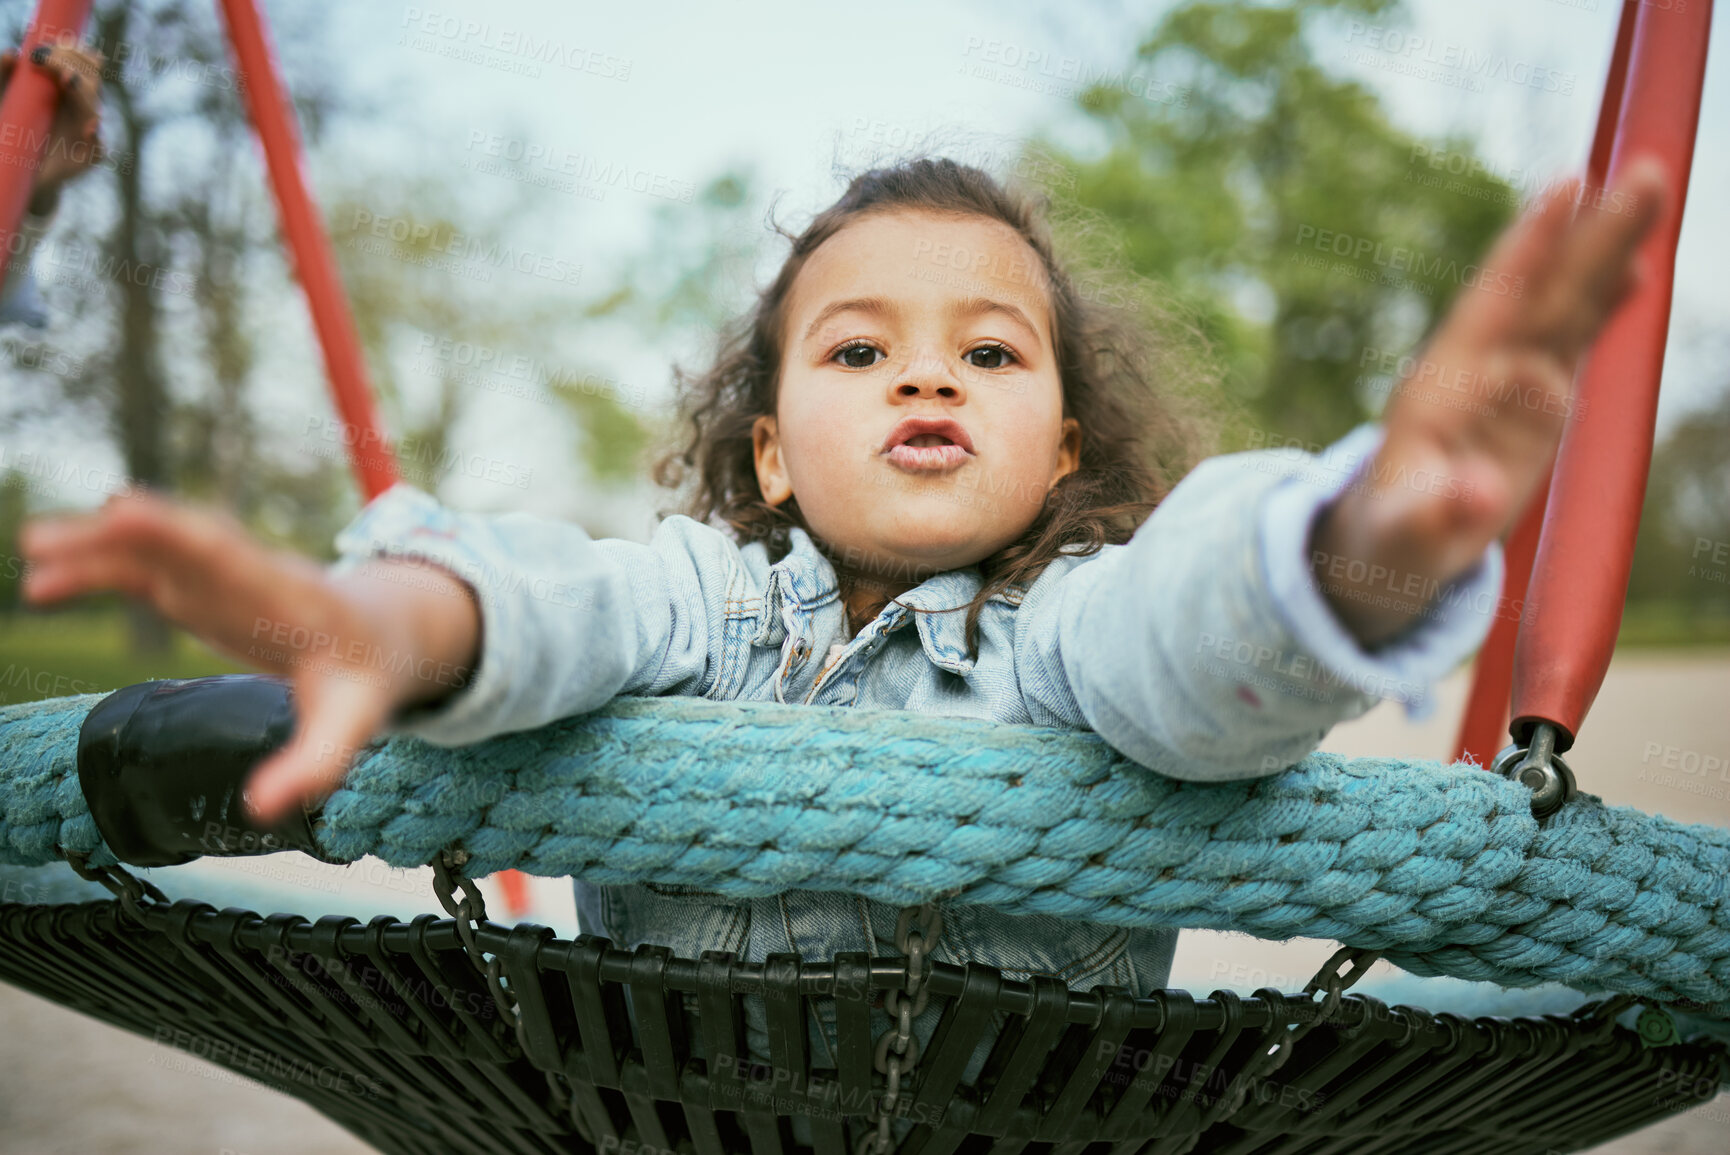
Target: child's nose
{"x":929,"y":378}
{"x":944,"y":389}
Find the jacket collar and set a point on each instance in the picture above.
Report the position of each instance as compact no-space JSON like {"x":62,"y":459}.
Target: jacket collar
{"x":938,"y":607}
{"x":804,"y":581}
{"x":796,"y":585}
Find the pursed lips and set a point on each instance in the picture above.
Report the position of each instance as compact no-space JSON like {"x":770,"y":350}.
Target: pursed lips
{"x":928,"y":445}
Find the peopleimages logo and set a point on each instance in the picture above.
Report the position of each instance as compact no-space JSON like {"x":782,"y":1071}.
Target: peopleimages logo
{"x":454,"y":36}
{"x":418,"y":458}
{"x":481,"y":361}
{"x":1068,"y":76}
{"x":28,"y":149}
{"x":1401,"y":259}
{"x":441,"y":238}
{"x":49,"y":472}
{"x":1465,"y":61}
{"x":584,"y":168}
{"x":1298,"y":670}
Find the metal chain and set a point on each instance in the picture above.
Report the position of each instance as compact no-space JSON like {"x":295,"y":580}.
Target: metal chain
{"x":121,"y":883}
{"x":1269,"y":1059}
{"x":469,"y":912}
{"x":902,"y":1007}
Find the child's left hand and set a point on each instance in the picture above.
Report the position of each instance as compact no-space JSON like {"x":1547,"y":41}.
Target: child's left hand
{"x":73,"y":141}
{"x":1505,"y":357}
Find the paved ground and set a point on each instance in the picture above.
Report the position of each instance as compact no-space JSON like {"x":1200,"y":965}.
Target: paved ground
{"x":69,"y":1084}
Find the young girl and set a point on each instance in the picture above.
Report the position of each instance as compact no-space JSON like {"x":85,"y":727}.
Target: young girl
{"x":929,"y":489}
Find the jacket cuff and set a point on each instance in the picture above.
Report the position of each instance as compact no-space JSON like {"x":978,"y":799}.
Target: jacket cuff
{"x":405,"y":523}
{"x":1451,"y":627}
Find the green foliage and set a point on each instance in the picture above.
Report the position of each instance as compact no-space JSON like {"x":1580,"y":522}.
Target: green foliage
{"x":679,"y":293}
{"x":1240,"y":194}
{"x":1680,"y":556}
{"x":406,"y":288}
{"x":613,"y":438}
{"x":13,"y":509}
{"x":668,"y":291}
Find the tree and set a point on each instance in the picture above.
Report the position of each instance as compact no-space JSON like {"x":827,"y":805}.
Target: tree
{"x":1307,"y":233}
{"x":1682,"y":554}
{"x":437,"y":284}
{"x":176,"y":216}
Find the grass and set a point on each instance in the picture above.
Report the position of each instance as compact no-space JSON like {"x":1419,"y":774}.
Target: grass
{"x":53,"y":655}
{"x":1666,"y":624}
{"x":84,"y":651}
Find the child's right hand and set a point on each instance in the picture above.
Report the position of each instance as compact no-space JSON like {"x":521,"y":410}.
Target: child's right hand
{"x":271,"y":609}
{"x":1511,"y":358}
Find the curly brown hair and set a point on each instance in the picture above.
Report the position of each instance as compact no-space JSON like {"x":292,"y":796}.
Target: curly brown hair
{"x":1136,"y":441}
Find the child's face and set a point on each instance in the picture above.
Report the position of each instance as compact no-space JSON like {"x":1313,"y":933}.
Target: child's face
{"x":905,"y":315}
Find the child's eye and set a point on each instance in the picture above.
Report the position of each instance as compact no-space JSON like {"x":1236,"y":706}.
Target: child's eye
{"x":846,"y":354}
{"x":996,"y":356}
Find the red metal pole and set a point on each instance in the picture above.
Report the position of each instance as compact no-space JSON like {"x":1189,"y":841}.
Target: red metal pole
{"x":273,"y":116}
{"x":514,"y":886}
{"x":1580,"y":577}
{"x":1484,"y":727}
{"x":27,"y":113}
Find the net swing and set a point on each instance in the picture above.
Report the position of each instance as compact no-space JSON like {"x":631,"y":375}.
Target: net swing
{"x":429,"y":1034}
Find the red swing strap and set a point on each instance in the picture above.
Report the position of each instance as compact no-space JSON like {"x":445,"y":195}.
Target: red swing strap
{"x":26,"y":114}
{"x":1545,"y":664}
{"x":1484,"y":728}
{"x":272,"y":114}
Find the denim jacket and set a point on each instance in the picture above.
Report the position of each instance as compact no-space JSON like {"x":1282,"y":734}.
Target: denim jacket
{"x":1201,"y":649}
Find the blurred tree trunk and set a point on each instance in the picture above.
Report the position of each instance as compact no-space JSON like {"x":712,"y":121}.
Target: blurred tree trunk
{"x":141,"y":395}
{"x":221,"y":446}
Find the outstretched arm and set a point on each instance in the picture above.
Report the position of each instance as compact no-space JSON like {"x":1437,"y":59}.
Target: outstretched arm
{"x":448,"y":626}
{"x":568,"y":622}
{"x":357,"y":646}
{"x":1273,"y":595}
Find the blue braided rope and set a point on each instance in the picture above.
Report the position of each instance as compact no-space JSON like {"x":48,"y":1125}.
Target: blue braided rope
{"x":1443,"y":867}
{"x":41,"y":805}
